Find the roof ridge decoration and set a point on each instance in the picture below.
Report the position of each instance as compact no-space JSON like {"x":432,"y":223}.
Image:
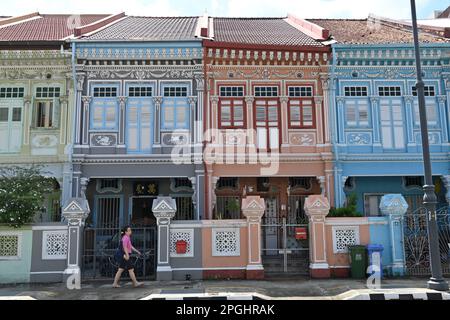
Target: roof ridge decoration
{"x":310,"y":29}
{"x":405,"y":25}
{"x":82,"y":30}
{"x":18,"y":19}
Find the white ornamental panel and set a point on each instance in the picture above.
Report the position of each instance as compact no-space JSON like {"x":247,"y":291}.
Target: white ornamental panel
{"x":344,"y":237}
{"x":10,"y":245}
{"x":54,"y":245}
{"x":226,"y":242}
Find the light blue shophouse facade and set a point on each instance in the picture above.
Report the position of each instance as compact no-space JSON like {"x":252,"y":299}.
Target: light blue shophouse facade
{"x":376,"y":133}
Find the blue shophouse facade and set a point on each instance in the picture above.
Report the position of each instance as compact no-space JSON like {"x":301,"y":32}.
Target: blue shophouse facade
{"x":139,"y":120}
{"x":376,"y":131}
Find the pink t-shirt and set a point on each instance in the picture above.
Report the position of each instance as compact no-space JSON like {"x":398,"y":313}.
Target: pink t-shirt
{"x":126,"y":242}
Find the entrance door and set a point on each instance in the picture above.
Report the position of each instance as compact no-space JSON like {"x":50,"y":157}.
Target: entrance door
{"x":10,"y":125}
{"x":392,"y":124}
{"x":139,"y":125}
{"x":267,"y":122}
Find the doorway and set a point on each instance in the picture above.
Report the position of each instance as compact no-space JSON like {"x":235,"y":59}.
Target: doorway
{"x":141,"y":211}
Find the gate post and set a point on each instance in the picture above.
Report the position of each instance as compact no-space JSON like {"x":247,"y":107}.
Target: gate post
{"x":394,"y":206}
{"x":164,"y":209}
{"x":317,"y":208}
{"x":253,"y":208}
{"x":75,"y":213}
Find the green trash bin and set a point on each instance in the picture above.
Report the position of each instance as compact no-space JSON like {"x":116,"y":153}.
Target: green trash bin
{"x":358,"y":261}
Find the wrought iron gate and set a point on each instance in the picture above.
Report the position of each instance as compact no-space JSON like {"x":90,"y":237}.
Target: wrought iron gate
{"x":417,"y":256}
{"x":282,"y":252}
{"x":100,"y":244}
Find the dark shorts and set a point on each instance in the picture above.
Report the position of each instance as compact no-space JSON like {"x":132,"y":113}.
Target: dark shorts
{"x":127,"y":265}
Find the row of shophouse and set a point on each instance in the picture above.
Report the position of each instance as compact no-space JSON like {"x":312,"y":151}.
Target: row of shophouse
{"x":210,"y":111}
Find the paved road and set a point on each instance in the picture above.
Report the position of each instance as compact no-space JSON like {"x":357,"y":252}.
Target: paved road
{"x":273,"y":288}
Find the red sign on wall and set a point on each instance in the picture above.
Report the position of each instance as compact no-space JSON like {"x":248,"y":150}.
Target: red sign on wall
{"x":301,"y":233}
{"x":181,"y":246}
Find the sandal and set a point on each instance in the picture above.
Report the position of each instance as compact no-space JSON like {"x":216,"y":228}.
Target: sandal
{"x":138,"y":284}
{"x":117,"y":286}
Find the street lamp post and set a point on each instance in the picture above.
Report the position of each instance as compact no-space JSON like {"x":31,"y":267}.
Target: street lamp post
{"x":436,"y":281}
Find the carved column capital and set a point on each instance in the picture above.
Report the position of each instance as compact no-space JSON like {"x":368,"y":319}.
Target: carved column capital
{"x":249,"y":99}
{"x":86,"y":100}
{"x":283,"y":99}
{"x":157,"y":100}
{"x":409,"y":99}
{"x":214,"y":99}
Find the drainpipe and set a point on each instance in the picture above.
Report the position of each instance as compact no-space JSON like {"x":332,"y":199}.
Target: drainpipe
{"x":334,"y":139}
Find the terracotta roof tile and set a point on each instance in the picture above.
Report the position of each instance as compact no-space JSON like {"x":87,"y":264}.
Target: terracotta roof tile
{"x":46,"y":27}
{"x":260,"y":31}
{"x":352,"y":31}
{"x":149,"y":28}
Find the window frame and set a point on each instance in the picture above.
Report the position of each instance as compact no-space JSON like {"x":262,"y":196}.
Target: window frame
{"x":186,"y":125}
{"x":301,"y":107}
{"x":357,"y":122}
{"x":103,"y":105}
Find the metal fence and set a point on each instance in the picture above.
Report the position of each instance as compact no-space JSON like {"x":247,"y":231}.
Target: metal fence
{"x":282,"y":252}
{"x":417,"y":255}
{"x":100,"y":244}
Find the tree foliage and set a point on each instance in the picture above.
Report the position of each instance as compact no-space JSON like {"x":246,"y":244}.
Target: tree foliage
{"x":22,"y":194}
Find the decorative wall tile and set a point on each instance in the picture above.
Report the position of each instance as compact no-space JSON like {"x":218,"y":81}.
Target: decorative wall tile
{"x":175,"y":138}
{"x":344,"y":237}
{"x":54,"y":245}
{"x":182,"y":234}
{"x":359,"y":138}
{"x":103,"y":140}
{"x":302,"y":139}
{"x":10,"y":245}
{"x":226,"y":242}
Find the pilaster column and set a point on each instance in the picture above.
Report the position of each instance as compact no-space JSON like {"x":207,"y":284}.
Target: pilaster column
{"x":75,"y":213}
{"x":409,"y":107}
{"x":341,"y":120}
{"x":157,"y":101}
{"x":394,"y":206}
{"x":27,"y":119}
{"x":284,"y":122}
{"x":122,"y":105}
{"x":164,"y":209}
{"x":317,"y":208}
{"x":192,"y":104}
{"x":374,"y":102}
{"x":214,"y":181}
{"x":442,"y":112}
{"x":341,"y":192}
{"x":214,"y":113}
{"x":328,"y":87}
{"x":251,"y":136}
{"x":253,"y":208}
{"x":319,"y":122}
{"x":86,"y":100}
{"x":321,"y":181}
{"x":64,"y":126}
{"x":200,"y":80}
{"x":78,"y":109}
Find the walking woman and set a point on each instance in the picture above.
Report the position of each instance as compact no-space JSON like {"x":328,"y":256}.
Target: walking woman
{"x":124,"y":259}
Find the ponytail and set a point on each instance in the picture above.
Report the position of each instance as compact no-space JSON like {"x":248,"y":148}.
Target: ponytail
{"x":123,"y":231}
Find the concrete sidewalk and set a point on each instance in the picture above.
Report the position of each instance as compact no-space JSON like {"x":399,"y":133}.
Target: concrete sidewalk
{"x":279,"y":288}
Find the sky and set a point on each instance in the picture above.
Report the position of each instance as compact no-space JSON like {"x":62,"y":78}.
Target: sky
{"x":398,"y":9}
